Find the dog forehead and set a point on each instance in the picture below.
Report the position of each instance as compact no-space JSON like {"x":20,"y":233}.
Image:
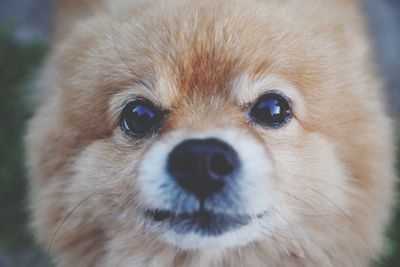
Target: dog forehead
{"x":188,"y":43}
{"x":202,"y":51}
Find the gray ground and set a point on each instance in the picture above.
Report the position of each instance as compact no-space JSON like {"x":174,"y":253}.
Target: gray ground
{"x":32,"y":20}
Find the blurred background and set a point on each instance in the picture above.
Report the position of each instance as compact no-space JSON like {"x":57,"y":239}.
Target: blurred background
{"x":25,"y":28}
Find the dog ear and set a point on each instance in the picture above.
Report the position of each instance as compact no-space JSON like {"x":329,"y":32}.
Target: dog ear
{"x":69,"y":12}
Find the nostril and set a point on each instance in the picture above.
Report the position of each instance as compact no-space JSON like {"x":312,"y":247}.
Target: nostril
{"x":220,"y":164}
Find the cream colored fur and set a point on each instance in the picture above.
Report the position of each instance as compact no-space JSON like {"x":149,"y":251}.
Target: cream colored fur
{"x":205,"y":61}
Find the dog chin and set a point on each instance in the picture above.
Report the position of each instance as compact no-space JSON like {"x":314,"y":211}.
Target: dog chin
{"x":237,"y":237}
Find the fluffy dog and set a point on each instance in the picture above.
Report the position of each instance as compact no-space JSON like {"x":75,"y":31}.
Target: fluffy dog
{"x":211,"y":133}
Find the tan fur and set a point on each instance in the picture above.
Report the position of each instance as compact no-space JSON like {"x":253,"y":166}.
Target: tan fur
{"x":333,"y":163}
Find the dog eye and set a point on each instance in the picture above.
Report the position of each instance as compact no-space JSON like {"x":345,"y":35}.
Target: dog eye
{"x":140,"y":118}
{"x":272,"y":110}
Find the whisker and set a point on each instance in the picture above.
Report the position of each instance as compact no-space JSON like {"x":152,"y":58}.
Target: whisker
{"x":274,"y":232}
{"x":174,"y":254}
{"x":68,"y":215}
{"x":291,"y":228}
{"x":306,"y":203}
{"x":240,"y":257}
{"x":338,"y":208}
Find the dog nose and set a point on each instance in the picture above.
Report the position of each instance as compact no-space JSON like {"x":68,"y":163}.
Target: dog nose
{"x":203,"y":166}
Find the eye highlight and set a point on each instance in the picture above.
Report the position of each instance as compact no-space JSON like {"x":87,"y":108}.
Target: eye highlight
{"x":140,"y":118}
{"x":271,"y":110}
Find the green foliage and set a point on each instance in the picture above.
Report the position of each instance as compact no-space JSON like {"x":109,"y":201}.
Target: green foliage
{"x":392,"y":256}
{"x":17,"y":65}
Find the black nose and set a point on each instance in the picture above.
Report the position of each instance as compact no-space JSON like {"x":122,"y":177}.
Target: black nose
{"x":202,"y":166}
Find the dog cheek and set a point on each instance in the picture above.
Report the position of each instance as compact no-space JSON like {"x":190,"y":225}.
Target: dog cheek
{"x":311,"y":178}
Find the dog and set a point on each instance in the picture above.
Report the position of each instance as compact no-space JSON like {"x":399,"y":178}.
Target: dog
{"x":211,"y":133}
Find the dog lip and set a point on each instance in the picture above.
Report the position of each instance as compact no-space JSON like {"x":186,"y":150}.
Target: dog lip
{"x":202,"y":222}
{"x":160,"y":215}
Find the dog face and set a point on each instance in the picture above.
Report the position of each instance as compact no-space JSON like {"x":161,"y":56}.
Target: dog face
{"x":212,"y":127}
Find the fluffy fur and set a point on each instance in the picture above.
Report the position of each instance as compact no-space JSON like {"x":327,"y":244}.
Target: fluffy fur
{"x":328,"y":178}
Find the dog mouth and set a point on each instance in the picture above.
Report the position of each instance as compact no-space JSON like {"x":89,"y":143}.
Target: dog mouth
{"x":202,"y":222}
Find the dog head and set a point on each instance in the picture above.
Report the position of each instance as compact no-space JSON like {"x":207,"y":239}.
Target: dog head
{"x":216,"y":126}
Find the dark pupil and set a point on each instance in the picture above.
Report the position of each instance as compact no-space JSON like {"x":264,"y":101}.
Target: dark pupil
{"x":271,"y":110}
{"x":141,"y":118}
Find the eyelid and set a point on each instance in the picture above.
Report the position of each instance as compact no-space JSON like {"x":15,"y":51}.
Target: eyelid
{"x":278,"y":92}
{"x":288,"y":116}
{"x":119,"y":102}
{"x":126,"y":102}
{"x":274,"y":91}
{"x":153,"y":130}
{"x":246,"y":89}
